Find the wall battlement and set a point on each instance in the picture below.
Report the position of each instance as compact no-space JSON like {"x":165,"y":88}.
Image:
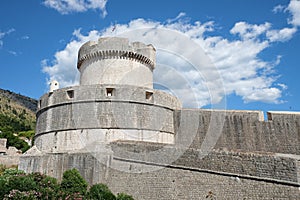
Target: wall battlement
{"x":115,"y":54}
{"x":240,"y":130}
{"x":117,"y":45}
{"x":105,"y":92}
{"x":283,"y":115}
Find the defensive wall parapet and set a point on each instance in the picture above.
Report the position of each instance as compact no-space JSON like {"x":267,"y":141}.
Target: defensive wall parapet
{"x":240,"y":130}
{"x":106,"y":92}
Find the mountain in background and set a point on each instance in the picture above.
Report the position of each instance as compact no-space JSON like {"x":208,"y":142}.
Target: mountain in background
{"x":22,"y":100}
{"x":17,"y":119}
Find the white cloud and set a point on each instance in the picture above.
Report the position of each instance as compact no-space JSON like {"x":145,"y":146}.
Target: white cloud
{"x":3,"y":34}
{"x":294,"y":9}
{"x":282,"y":35}
{"x":283,"y":86}
{"x":25,"y":37}
{"x":63,"y":67}
{"x":199,"y":69}
{"x":243,"y":72}
{"x":180,"y":15}
{"x":70,"y":6}
{"x":10,"y":31}
{"x":278,"y":8}
{"x":249,"y":31}
{"x":13,"y":53}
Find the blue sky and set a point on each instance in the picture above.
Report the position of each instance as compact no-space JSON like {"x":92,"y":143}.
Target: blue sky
{"x":252,"y":46}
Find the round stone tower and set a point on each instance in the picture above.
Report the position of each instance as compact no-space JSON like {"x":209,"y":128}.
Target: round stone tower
{"x":114,"y":101}
{"x":115,"y":61}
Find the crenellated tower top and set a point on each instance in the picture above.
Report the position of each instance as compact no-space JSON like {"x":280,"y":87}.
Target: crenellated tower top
{"x":114,"y":60}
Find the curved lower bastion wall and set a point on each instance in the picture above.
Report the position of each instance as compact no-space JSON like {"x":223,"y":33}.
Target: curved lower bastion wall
{"x":75,"y":117}
{"x":163,"y":181}
{"x":283,"y":167}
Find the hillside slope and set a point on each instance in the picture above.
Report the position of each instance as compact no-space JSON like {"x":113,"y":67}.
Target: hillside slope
{"x":22,"y":100}
{"x":17,"y":118}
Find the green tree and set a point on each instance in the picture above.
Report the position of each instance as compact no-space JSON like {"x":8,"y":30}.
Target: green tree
{"x":14,"y":141}
{"x":22,"y":182}
{"x":101,"y":191}
{"x":123,"y":196}
{"x":18,"y":195}
{"x":73,"y":183}
{"x":5,"y":180}
{"x":47,"y":186}
{"x":28,"y":134}
{"x":15,"y":184}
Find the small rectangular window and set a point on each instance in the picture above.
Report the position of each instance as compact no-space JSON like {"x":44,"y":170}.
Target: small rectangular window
{"x":40,"y":103}
{"x":269,"y":116}
{"x":110,"y":92}
{"x":70,"y":94}
{"x":149,"y":95}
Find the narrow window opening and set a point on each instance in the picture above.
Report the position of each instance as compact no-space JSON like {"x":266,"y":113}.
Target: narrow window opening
{"x":149,"y":95}
{"x":110,"y":92}
{"x":70,"y":94}
{"x":40,"y":104}
{"x":269,"y":116}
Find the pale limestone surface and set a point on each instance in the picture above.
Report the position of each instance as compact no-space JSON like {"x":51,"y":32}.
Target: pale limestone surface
{"x":116,"y":129}
{"x":8,"y":156}
{"x":116,"y":61}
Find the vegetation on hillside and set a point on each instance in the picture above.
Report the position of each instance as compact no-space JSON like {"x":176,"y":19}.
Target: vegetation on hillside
{"x":17,"y":122}
{"x":15,"y":184}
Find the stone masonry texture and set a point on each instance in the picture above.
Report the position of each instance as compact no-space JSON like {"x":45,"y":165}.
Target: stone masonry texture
{"x":116,"y":129}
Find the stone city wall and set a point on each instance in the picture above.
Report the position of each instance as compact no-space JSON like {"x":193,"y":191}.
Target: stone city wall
{"x":162,"y":182}
{"x":239,"y":130}
{"x":276,"y":166}
{"x":9,"y":157}
{"x":10,"y":160}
